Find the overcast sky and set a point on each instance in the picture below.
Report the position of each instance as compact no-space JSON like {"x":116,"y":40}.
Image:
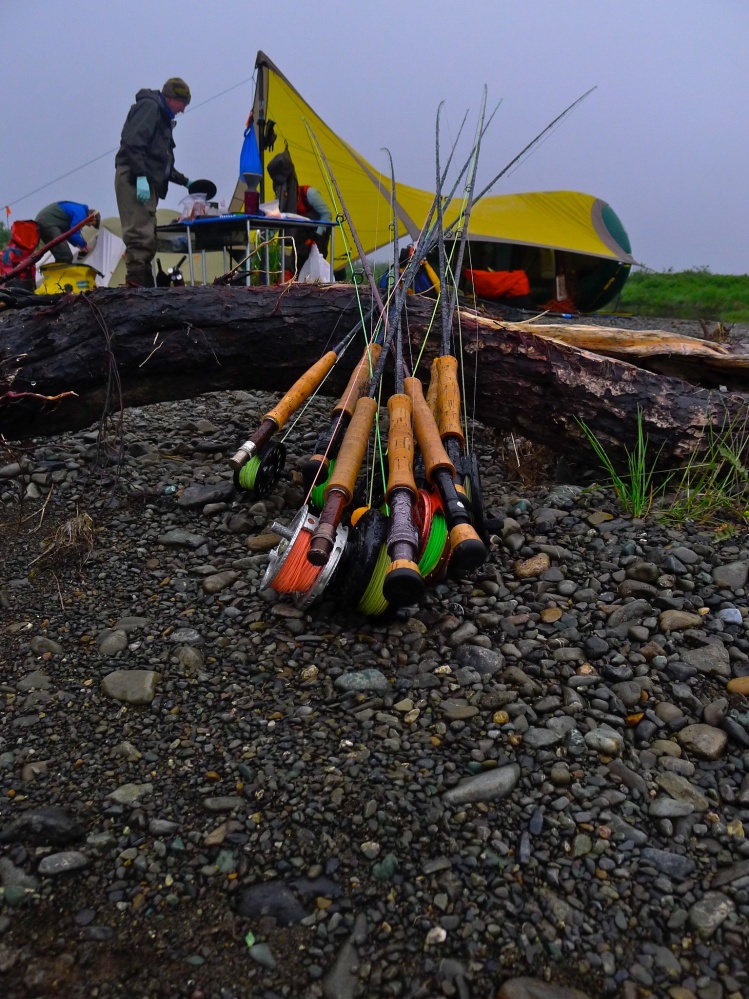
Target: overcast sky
{"x":663,"y":139}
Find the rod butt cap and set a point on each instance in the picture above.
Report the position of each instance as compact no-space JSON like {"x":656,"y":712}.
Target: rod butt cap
{"x":403,"y":583}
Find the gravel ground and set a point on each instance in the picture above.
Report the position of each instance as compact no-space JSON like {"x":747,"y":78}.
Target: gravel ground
{"x":533,"y":785}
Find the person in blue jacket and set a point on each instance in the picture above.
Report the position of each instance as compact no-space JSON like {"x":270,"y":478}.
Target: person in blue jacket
{"x":56,"y":219}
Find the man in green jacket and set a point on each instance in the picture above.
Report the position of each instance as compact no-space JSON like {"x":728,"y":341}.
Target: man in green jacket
{"x":144,"y":167}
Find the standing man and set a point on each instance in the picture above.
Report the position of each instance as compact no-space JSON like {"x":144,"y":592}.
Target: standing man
{"x":144,"y":166}
{"x":56,"y":219}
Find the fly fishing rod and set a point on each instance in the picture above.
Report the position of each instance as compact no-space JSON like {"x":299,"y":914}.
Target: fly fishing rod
{"x":311,"y":548}
{"x":258,"y":461}
{"x":403,"y":583}
{"x":340,"y":487}
{"x":446,"y":391}
{"x":441,"y":442}
{"x":317,"y":468}
{"x":315,"y":552}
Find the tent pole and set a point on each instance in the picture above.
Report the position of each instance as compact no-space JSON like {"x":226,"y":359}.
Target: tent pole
{"x":260,"y":127}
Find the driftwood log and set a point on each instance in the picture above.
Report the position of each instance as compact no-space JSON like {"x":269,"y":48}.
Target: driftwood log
{"x":63,"y":364}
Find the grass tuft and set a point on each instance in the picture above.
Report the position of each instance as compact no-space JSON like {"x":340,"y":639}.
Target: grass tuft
{"x":713,"y":488}
{"x":75,"y":537}
{"x":711,"y":491}
{"x":529,"y":464}
{"x":637,"y":488}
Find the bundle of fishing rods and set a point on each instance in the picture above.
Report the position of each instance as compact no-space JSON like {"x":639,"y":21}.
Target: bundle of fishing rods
{"x":380,"y":549}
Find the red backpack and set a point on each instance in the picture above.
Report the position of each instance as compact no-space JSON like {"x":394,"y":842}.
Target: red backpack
{"x":24,"y":239}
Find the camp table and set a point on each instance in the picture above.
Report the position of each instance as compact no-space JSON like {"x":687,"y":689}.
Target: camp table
{"x":223,"y":232}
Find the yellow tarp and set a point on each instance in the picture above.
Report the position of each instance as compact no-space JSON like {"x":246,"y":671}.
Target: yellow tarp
{"x":565,"y":220}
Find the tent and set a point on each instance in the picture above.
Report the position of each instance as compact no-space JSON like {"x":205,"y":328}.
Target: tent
{"x":569,"y":243}
{"x":572,"y":246}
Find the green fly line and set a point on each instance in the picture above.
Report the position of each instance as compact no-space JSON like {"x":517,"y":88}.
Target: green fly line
{"x":435,"y":545}
{"x":373,"y":601}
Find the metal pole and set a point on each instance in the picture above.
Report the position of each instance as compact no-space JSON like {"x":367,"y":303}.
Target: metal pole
{"x":189,"y":254}
{"x":248,"y":279}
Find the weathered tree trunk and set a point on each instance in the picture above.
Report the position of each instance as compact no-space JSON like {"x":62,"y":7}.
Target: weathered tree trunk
{"x":134,"y":347}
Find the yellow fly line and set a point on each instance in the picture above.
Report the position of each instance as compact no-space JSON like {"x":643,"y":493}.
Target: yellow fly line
{"x":564,"y":220}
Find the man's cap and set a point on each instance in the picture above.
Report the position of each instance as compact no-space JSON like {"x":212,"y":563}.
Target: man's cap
{"x":176,"y":88}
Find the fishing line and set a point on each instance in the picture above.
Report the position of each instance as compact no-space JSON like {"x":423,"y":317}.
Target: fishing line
{"x":467,"y":208}
{"x":336,"y":196}
{"x":341,"y":350}
{"x":476,"y":366}
{"x":310,"y":399}
{"x":534,"y":142}
{"x":110,"y":152}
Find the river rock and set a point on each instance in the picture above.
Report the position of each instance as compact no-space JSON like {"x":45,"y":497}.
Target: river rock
{"x":704,"y":741}
{"x":49,"y":825}
{"x":129,"y":794}
{"x":273,"y":899}
{"x":678,"y":620}
{"x":199,"y":495}
{"x":362,"y":680}
{"x":62,"y":863}
{"x":532,"y":567}
{"x":41,"y":645}
{"x":491,"y":785}
{"x":605,"y":740}
{"x":732,"y":576}
{"x":486,"y":662}
{"x":535,"y":988}
{"x":219,"y":581}
{"x":131,"y":686}
{"x":709,"y":912}
{"x":681,"y":789}
{"x":112,"y":641}
{"x":712,"y":660}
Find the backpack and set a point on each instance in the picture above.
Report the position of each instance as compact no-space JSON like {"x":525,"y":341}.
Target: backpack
{"x":24,"y":238}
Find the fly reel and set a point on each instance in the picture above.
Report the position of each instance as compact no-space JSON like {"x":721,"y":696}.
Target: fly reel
{"x":361,"y":571}
{"x":289,"y":570}
{"x":434,"y":540}
{"x":260,"y":474}
{"x":474,"y":495}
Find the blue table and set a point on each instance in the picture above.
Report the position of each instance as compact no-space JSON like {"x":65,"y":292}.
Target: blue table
{"x":222,"y":232}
